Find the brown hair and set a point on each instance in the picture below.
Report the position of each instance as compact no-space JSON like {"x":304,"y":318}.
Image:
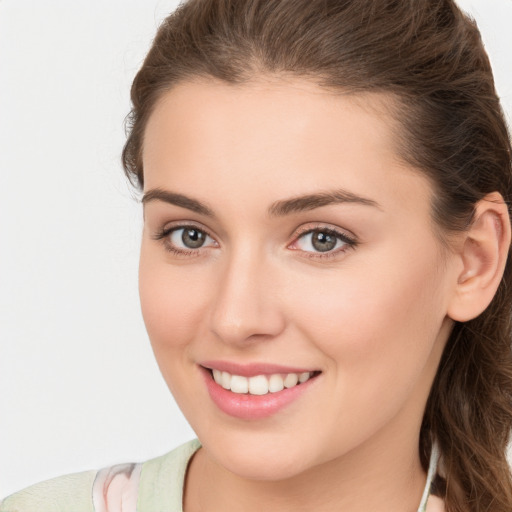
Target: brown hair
{"x":429,"y":56}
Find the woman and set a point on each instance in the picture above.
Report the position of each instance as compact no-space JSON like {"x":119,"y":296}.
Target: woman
{"x":323,"y":271}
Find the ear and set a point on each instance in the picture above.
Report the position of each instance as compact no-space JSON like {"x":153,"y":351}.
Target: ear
{"x":483,"y":254}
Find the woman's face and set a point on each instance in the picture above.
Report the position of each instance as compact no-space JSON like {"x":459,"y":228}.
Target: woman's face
{"x":284,"y":240}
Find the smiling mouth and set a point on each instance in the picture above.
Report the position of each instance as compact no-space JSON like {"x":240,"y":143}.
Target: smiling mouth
{"x":259,"y":385}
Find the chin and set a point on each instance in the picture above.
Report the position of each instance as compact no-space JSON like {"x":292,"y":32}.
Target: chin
{"x":265,"y":468}
{"x":259,"y":457}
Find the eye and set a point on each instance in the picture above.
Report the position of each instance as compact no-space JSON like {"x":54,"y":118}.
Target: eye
{"x":189,"y":238}
{"x":185,"y":240}
{"x":323,"y":240}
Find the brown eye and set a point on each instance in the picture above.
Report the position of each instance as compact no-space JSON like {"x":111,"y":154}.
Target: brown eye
{"x":323,"y":241}
{"x":193,"y":238}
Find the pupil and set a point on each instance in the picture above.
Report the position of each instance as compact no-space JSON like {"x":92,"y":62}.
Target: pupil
{"x":192,"y":238}
{"x":323,"y":241}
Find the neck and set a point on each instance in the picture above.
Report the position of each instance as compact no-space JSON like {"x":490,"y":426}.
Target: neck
{"x":368,"y":478}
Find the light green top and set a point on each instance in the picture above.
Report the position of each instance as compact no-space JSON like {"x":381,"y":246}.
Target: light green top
{"x":162,"y":480}
{"x":160,"y":488}
{"x":69,"y":492}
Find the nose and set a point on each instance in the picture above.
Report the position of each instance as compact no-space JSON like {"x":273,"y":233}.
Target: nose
{"x":246,"y":306}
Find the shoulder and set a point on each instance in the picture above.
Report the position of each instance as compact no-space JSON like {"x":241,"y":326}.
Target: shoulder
{"x":68,"y":492}
{"x":111,"y":488}
{"x":120,"y":488}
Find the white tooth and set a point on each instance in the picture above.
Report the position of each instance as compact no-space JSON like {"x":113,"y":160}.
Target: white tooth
{"x":291,"y":380}
{"x":239,"y":384}
{"x":258,"y":385}
{"x":303,"y":377}
{"x":217,"y":376}
{"x":275,"y":383}
{"x":226,"y":380}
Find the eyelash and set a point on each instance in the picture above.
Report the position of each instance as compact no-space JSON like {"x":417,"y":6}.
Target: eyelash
{"x":350,"y":242}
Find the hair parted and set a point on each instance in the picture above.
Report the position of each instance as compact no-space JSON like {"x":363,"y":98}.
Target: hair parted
{"x":429,"y":58}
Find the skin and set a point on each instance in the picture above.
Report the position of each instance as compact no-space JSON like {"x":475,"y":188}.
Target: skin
{"x":373,"y":318}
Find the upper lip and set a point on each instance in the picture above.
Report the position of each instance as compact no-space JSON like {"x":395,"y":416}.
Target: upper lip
{"x":252,"y":369}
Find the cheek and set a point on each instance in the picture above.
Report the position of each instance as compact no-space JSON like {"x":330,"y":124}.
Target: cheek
{"x":170,"y":302}
{"x":377,"y":327}
{"x":373,"y":318}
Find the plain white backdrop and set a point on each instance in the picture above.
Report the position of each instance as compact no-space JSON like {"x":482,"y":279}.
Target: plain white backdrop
{"x":79,"y":388}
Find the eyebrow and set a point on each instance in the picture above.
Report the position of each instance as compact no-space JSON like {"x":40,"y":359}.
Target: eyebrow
{"x":312,"y":201}
{"x":158,"y":194}
{"x":277,"y":209}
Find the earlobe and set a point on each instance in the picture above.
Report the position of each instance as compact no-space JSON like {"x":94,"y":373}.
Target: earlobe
{"x":483,"y":253}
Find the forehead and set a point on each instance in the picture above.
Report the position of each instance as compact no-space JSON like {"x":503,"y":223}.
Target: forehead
{"x":269,"y":111}
{"x":282,"y":137}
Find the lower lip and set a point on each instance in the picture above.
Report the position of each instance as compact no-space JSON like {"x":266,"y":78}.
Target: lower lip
{"x":252,"y":407}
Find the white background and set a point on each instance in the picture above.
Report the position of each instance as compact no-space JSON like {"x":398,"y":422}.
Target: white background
{"x":79,"y":388}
